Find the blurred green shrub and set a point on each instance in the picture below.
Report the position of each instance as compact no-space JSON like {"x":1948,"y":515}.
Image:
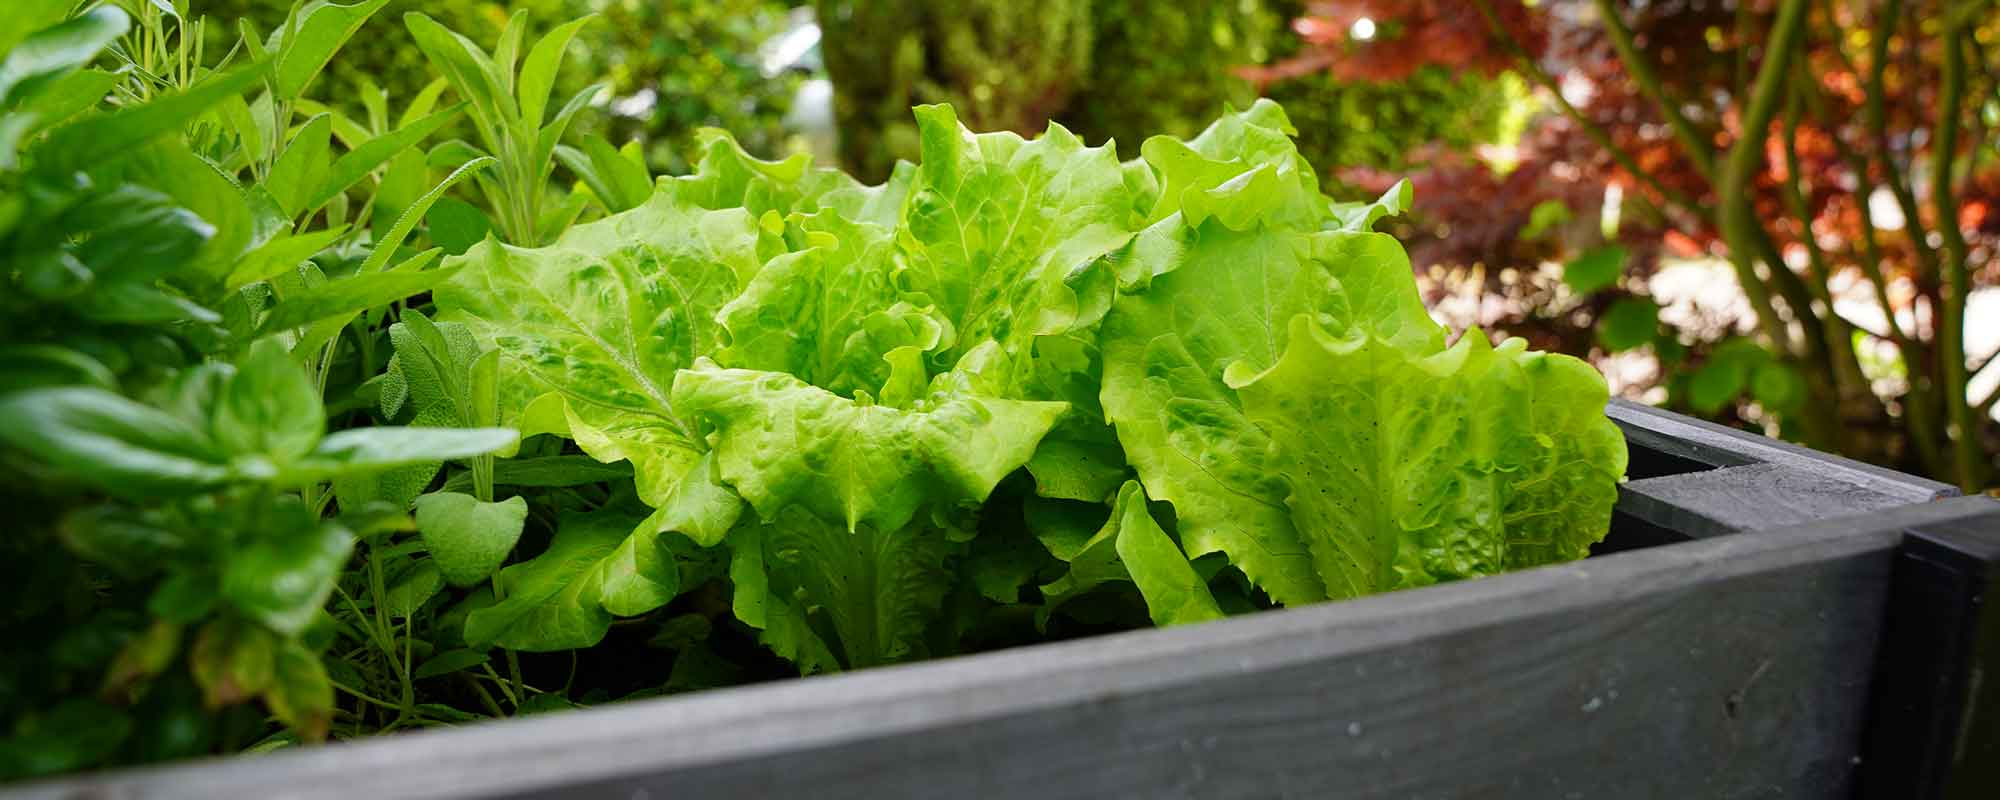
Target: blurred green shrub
{"x":1003,"y":64}
{"x":1375,"y":125}
{"x":1123,"y":70}
{"x":1167,"y":68}
{"x":675,"y":67}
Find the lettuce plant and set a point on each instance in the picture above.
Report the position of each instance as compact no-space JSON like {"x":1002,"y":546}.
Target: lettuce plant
{"x":1202,"y":366}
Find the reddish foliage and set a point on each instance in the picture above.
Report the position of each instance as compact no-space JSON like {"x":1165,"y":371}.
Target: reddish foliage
{"x":1704,"y":53}
{"x":1409,"y":34}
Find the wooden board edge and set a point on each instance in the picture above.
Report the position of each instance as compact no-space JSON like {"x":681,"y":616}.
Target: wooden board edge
{"x":732,"y":725}
{"x":1721,"y":446}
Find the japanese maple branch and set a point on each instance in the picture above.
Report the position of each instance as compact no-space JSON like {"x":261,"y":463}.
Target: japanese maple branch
{"x":1838,"y":335}
{"x":1874,"y":112}
{"x":1968,"y":455}
{"x":1641,"y":69}
{"x":1740,"y":228}
{"x":1920,"y":404}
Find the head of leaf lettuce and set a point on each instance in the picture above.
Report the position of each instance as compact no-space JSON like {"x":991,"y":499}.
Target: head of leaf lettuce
{"x":1019,"y":382}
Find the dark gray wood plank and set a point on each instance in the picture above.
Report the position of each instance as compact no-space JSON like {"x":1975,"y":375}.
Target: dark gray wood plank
{"x":1720,"y":668}
{"x":1934,"y":721}
{"x":1751,"y":497}
{"x":1720,"y":446}
{"x":1746,"y":482}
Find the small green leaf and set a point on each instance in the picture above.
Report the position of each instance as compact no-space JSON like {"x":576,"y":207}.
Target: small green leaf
{"x":284,"y":578}
{"x":456,"y":225}
{"x":363,"y":159}
{"x":140,"y":660}
{"x":1544,"y":217}
{"x":551,"y":602}
{"x":1596,"y":269}
{"x":184,"y":598}
{"x":1725,"y":374}
{"x":538,"y":73}
{"x":242,"y":121}
{"x":546,"y":472}
{"x":385,"y":249}
{"x":322,"y":28}
{"x":269,"y":407}
{"x":469,"y":539}
{"x":115,"y":444}
{"x":281,"y":254}
{"x":551,"y":134}
{"x":303,"y":166}
{"x":300,"y":694}
{"x":469,"y":69}
{"x":448,"y":662}
{"x":232,"y":662}
{"x":1174,"y":593}
{"x":414,"y":587}
{"x":49,"y":54}
{"x":362,"y":450}
{"x":342,"y":298}
{"x":1628,"y":323}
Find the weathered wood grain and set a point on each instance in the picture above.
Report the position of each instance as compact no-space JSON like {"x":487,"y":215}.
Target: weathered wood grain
{"x":1748,"y":483}
{"x":1715,"y":445}
{"x":1719,"y":668}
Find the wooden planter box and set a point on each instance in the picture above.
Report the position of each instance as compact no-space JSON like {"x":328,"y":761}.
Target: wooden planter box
{"x":1764,"y":621}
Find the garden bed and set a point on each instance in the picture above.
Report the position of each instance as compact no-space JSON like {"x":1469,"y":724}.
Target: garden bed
{"x":1723,"y":642}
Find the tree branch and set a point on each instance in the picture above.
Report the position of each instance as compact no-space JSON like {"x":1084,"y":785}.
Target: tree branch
{"x":1967,"y":453}
{"x":1875,"y":113}
{"x":1745,"y":236}
{"x":1702,"y":152}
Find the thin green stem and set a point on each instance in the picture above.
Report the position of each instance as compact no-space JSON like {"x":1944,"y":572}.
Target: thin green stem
{"x":363,"y":695}
{"x":485,"y":697}
{"x":1745,"y":235}
{"x":1967,"y":454}
{"x":506,"y":688}
{"x":1920,"y":405}
{"x":1874,"y":112}
{"x":1701,"y":152}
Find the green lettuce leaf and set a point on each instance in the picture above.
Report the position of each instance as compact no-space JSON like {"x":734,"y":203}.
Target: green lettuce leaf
{"x":1224,"y":296}
{"x":601,"y":320}
{"x":565,"y":598}
{"x":1405,"y":469}
{"x":1131,"y":547}
{"x":827,"y":597}
{"x":994,"y":223}
{"x":727,"y":177}
{"x":832,"y":313}
{"x":780,"y":441}
{"x":1243,"y":170}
